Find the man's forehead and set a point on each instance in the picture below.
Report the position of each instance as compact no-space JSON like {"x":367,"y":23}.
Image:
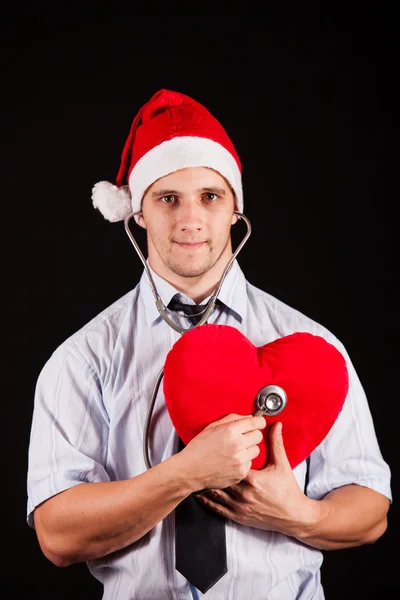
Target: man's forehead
{"x":193,"y":178}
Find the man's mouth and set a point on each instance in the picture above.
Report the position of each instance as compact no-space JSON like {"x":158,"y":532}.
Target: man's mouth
{"x":190,"y":245}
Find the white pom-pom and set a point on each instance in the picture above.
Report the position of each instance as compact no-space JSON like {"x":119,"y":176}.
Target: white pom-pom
{"x":113,"y":202}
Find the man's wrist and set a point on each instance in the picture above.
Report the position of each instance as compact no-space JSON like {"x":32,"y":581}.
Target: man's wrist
{"x":183,"y":475}
{"x":310,"y":516}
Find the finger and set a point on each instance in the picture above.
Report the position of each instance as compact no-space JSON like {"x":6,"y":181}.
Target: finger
{"x":235,"y":491}
{"x":249,"y":424}
{"x":235,"y":417}
{"x":229,"y":419}
{"x":252,"y":438}
{"x":220,"y":508}
{"x":219,"y":496}
{"x":277,"y":448}
{"x":253,"y":452}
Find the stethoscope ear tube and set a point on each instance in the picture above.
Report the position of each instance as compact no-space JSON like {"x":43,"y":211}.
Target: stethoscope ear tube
{"x":211,"y":303}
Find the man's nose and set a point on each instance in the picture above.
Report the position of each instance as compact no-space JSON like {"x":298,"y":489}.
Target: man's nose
{"x":191,"y":217}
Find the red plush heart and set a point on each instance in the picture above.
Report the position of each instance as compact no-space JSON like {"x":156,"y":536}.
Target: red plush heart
{"x":214,"y":370}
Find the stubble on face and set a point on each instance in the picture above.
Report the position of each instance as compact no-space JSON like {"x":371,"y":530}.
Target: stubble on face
{"x":169,"y":235}
{"x":189,"y":266}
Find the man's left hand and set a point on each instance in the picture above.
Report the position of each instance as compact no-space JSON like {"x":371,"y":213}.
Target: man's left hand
{"x":269,"y":498}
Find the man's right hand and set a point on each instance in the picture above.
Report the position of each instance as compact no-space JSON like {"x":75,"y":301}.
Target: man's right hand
{"x":222,"y":453}
{"x":91,"y":520}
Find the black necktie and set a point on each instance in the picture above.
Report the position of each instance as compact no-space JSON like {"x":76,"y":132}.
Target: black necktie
{"x":200,"y":544}
{"x":194,"y":312}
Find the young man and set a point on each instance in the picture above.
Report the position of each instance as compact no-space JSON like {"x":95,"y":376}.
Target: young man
{"x":91,"y":497}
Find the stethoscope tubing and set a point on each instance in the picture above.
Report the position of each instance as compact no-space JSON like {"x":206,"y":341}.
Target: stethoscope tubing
{"x":162,"y":310}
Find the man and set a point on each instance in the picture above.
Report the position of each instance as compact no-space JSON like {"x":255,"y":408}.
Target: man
{"x":91,"y":497}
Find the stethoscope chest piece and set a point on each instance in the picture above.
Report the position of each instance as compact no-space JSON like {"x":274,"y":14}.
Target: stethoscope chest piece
{"x":271,"y":400}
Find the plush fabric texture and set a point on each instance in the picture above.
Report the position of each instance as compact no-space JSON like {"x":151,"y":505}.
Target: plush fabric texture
{"x":214,"y":370}
{"x":170,"y":132}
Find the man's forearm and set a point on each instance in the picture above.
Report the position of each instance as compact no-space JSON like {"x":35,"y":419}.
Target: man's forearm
{"x":91,"y":520}
{"x":348,"y":516}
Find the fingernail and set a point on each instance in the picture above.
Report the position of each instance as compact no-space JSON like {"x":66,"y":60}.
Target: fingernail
{"x":279,"y":428}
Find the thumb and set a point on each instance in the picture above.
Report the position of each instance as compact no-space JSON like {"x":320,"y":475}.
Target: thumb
{"x":277,"y":448}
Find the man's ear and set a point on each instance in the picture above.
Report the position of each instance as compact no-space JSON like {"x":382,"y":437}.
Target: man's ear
{"x":235,"y":218}
{"x":140,"y":221}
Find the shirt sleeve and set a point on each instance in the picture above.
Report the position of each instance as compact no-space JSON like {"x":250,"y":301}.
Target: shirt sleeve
{"x":350,"y":453}
{"x":69,"y":432}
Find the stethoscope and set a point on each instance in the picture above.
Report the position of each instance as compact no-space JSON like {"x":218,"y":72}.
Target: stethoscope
{"x":270,"y":400}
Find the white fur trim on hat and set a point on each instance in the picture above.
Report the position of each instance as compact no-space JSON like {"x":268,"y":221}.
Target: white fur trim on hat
{"x":180,"y":153}
{"x":113,"y":202}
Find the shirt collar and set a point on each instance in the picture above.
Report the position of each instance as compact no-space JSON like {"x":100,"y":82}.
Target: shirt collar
{"x":233,"y":293}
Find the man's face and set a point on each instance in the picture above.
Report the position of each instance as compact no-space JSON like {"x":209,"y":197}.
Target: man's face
{"x":188,"y":215}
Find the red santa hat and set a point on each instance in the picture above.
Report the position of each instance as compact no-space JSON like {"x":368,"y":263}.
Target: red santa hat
{"x":170,"y":132}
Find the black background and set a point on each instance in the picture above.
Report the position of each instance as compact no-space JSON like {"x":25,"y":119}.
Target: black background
{"x":308,"y":102}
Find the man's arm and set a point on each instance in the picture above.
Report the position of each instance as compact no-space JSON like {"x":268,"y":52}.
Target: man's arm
{"x":91,"y":520}
{"x":348,"y":516}
{"x":272,"y":499}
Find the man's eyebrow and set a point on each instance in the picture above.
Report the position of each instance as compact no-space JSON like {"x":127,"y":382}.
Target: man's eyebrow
{"x":214,"y":190}
{"x":167,"y":192}
{"x":157,"y":193}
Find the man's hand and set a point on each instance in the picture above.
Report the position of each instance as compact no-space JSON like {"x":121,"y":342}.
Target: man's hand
{"x":221,"y":455}
{"x":271,"y":499}
{"x":267,"y":499}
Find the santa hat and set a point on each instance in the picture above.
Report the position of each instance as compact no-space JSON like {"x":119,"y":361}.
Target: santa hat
{"x":170,"y":132}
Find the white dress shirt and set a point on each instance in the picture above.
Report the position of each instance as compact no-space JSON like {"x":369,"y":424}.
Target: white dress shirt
{"x":90,"y":408}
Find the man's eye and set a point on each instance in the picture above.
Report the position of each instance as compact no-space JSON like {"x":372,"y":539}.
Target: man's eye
{"x":168,"y":199}
{"x":210,"y":196}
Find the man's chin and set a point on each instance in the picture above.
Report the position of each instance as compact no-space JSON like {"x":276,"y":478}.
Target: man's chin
{"x":189,"y":271}
{"x":189,"y":274}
